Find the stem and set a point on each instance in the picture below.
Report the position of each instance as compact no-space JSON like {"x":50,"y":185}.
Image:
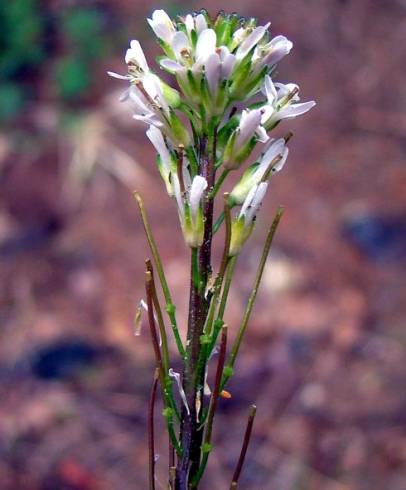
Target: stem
{"x":151,"y":434}
{"x":219,"y":183}
{"x":223,"y":267}
{"x":229,"y":276}
{"x":170,"y":307}
{"x":161,"y":325}
{"x":252,"y":297}
{"x":244,"y":448}
{"x":218,"y":223}
{"x":212,"y":408}
{"x":191,"y":433}
{"x":169,"y":402}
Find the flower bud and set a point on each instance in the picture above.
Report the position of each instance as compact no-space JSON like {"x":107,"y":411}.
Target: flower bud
{"x":242,"y":226}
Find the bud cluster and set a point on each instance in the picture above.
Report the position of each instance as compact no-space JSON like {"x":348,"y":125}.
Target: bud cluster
{"x":219,"y":65}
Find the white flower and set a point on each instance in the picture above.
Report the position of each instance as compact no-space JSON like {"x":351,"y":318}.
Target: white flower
{"x":280,"y":102}
{"x":251,"y":41}
{"x":250,"y":125}
{"x":206,"y":45}
{"x":135,"y":56}
{"x":199,"y":185}
{"x":165,"y":164}
{"x":136,"y":61}
{"x":242,"y":226}
{"x":176,"y":376}
{"x":272,"y":52}
{"x":162,"y":25}
{"x":273,"y":159}
{"x":218,"y":67}
{"x":252,"y":203}
{"x":148,"y":99}
{"x":189,"y":207}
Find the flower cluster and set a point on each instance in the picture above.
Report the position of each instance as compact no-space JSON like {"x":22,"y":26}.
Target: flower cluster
{"x":218,"y":65}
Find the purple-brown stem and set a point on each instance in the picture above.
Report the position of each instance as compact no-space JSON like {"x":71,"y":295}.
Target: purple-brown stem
{"x":241,"y":459}
{"x":151,"y":432}
{"x":191,"y":436}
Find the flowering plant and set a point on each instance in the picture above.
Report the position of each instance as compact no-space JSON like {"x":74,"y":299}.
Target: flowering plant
{"x":225,"y":103}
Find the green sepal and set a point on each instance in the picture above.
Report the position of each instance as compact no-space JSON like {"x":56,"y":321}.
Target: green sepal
{"x":166,"y":49}
{"x":171,"y":95}
{"x":228,"y":371}
{"x":241,"y":190}
{"x":168,"y":412}
{"x":205,"y":339}
{"x":179,"y":132}
{"x":206,"y":448}
{"x":165,"y":175}
{"x":239,"y":235}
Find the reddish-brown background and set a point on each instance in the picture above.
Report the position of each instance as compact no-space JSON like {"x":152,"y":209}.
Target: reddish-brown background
{"x":324,"y":358}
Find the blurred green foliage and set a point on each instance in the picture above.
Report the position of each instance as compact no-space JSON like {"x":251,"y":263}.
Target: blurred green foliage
{"x":55,"y":46}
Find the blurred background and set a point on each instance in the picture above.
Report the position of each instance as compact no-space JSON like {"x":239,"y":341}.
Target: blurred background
{"x":325,"y":355}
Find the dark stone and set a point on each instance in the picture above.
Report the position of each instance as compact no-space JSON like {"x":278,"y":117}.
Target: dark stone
{"x":64,"y":359}
{"x":382,"y":239}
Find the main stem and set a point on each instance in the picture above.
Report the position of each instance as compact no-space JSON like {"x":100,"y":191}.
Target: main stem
{"x":190,"y":435}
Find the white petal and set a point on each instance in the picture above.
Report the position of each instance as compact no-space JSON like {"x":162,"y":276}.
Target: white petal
{"x":253,"y":202}
{"x":136,"y":55}
{"x":179,"y":44}
{"x":247,"y":201}
{"x":189,"y":23}
{"x":157,"y":139}
{"x":206,"y":44}
{"x":199,"y":185}
{"x":249,"y":123}
{"x":148,"y":119}
{"x":227,"y":65}
{"x":162,"y":25}
{"x":117,"y":75}
{"x":286,"y":89}
{"x":171,"y":65}
{"x":279,"y":47}
{"x":279,"y":166}
{"x":187,"y":180}
{"x":261,"y":134}
{"x":178,"y":195}
{"x":251,"y":41}
{"x":174,"y":374}
{"x":212,"y":71}
{"x":275,"y":148}
{"x":267,"y":112}
{"x":152,"y":86}
{"x":269,"y":90}
{"x":294,"y":110}
{"x":201,"y":23}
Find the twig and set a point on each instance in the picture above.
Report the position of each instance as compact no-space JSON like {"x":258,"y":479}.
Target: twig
{"x":244,"y":448}
{"x":170,"y":307}
{"x":166,"y":394}
{"x":206,"y":448}
{"x":161,"y":325}
{"x":151,"y":434}
{"x":252,"y":298}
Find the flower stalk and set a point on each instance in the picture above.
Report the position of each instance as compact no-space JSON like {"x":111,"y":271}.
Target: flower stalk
{"x":205,"y":126}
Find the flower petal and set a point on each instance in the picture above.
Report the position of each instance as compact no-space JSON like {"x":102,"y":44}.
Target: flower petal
{"x":199,"y":185}
{"x":171,"y":66}
{"x":206,"y":44}
{"x":201,"y":23}
{"x":251,"y":41}
{"x":176,"y":376}
{"x":294,"y":110}
{"x":135,"y":54}
{"x":117,"y":75}
{"x":212,"y":71}
{"x":162,"y":25}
